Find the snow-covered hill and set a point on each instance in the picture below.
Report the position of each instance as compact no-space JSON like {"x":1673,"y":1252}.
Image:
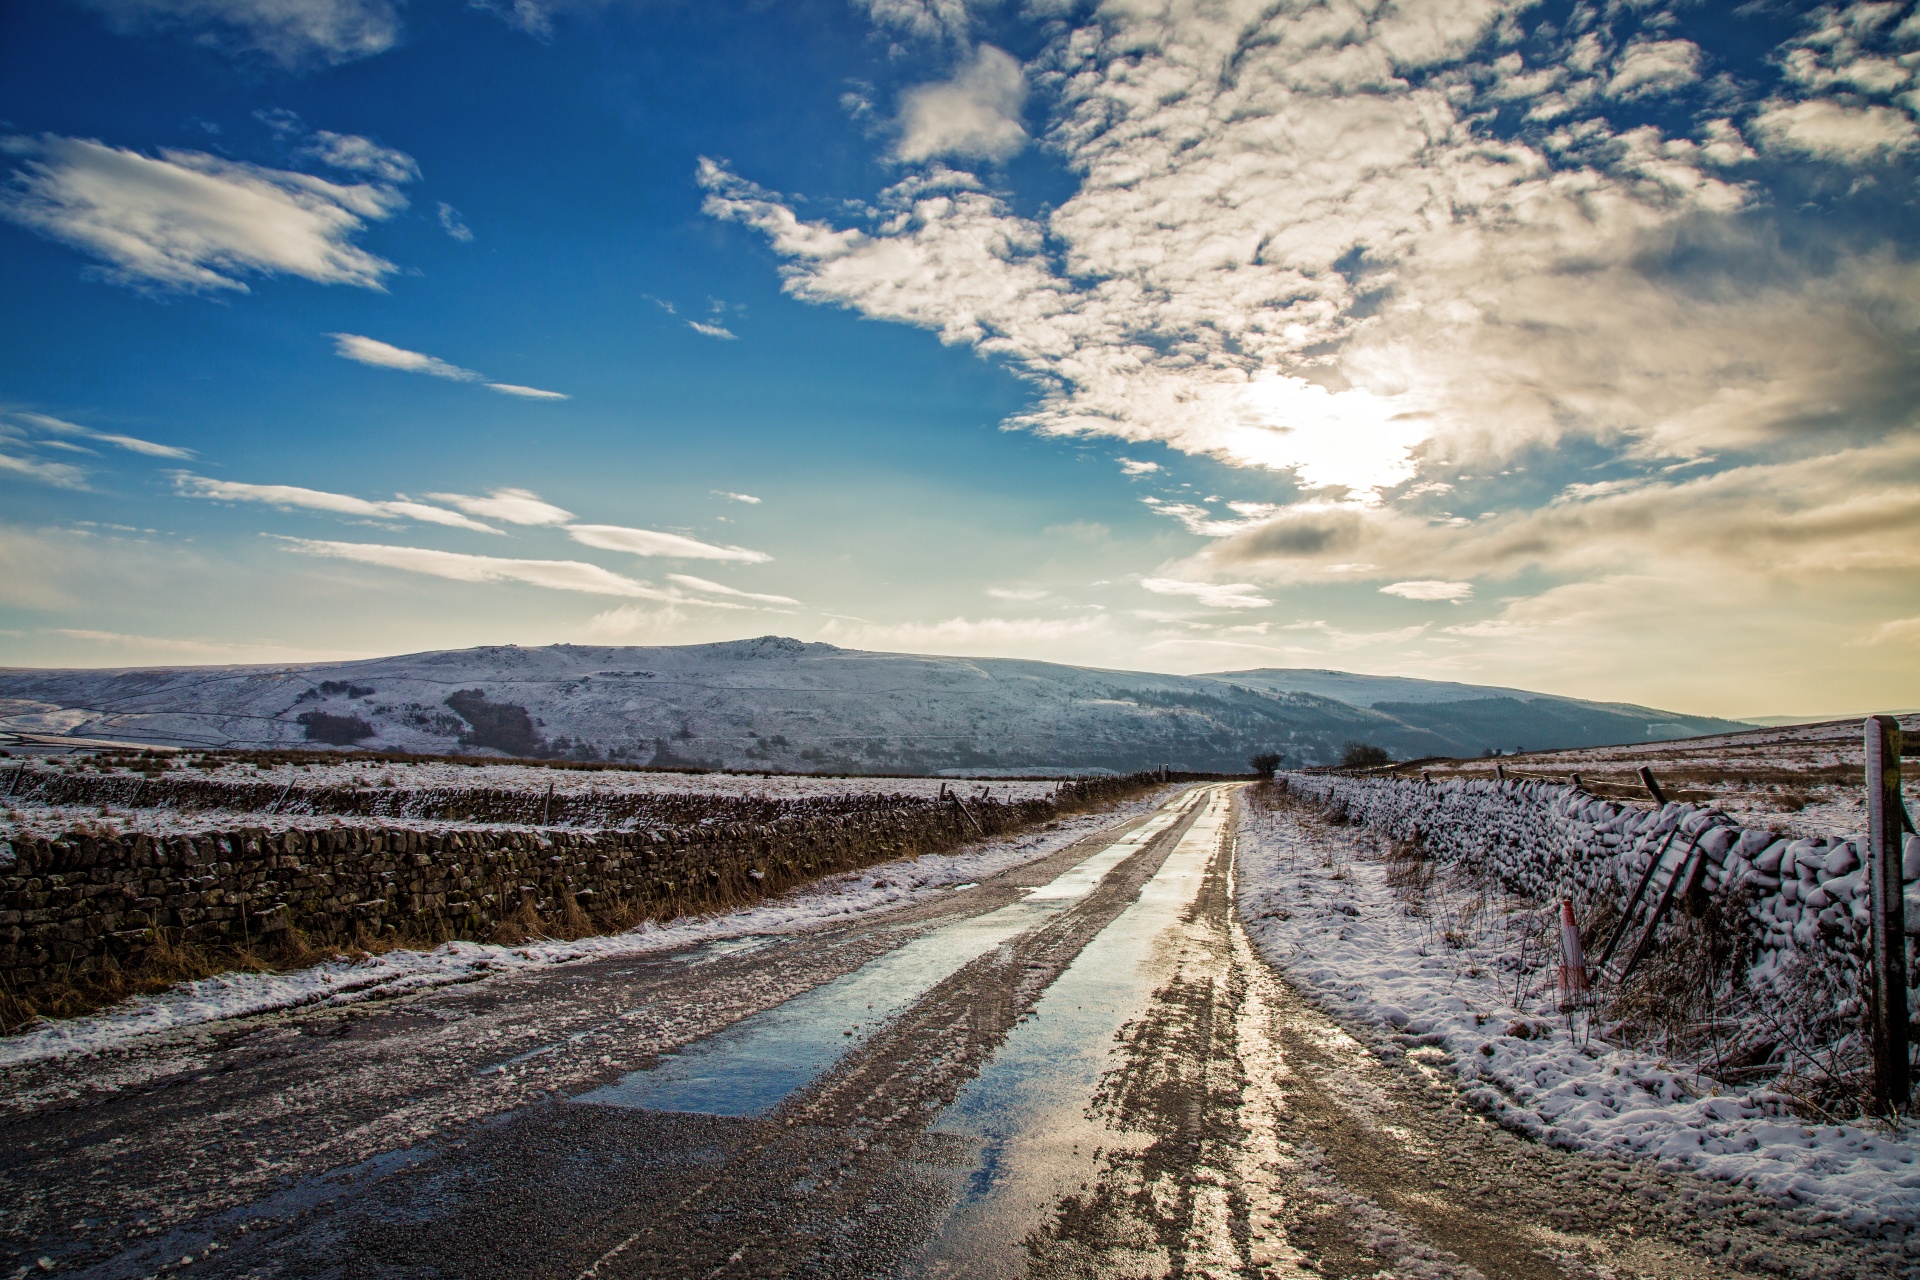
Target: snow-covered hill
{"x":776,"y":703}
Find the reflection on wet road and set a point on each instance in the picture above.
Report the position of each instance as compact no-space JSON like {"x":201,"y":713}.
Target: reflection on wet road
{"x":1026,"y":1109}
{"x":752,"y":1066}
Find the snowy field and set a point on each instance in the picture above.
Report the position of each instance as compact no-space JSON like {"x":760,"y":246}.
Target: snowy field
{"x":1799,"y":780}
{"x":343,"y":981}
{"x":1418,"y":981}
{"x":20,"y":815}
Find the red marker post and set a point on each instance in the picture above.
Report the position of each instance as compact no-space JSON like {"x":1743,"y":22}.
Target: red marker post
{"x":1573,"y":961}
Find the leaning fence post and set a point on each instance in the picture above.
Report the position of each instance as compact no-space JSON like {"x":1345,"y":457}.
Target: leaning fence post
{"x":1884,"y":811}
{"x":1653,"y":788}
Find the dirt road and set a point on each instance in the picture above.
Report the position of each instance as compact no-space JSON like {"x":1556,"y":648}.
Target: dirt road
{"x":1077,"y":1068}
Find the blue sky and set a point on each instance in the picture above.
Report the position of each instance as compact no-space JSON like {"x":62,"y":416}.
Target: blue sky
{"x":1563,"y":345}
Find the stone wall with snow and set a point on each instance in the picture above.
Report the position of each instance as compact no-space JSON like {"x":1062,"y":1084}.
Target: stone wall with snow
{"x":1795,"y":898}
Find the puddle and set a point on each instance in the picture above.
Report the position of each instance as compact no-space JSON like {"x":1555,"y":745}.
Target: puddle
{"x":747,"y":1069}
{"x":1026,"y":1110}
{"x":721,"y":948}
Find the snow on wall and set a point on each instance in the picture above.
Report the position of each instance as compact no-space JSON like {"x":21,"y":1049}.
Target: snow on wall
{"x":1804,"y":897}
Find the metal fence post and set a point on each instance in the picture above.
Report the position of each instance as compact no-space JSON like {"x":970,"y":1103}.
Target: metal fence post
{"x":1890,"y":1083}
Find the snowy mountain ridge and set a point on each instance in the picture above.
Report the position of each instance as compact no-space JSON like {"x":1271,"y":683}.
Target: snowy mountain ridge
{"x":781,"y":704}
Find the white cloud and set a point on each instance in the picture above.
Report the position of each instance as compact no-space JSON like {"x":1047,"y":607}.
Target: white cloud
{"x":1217,"y":282}
{"x":1133,"y":467}
{"x":356,"y":154}
{"x":1221,"y":595}
{"x":650,"y":542}
{"x":453,"y":224}
{"x":1800,"y":519}
{"x":976,"y":113}
{"x":747,"y":498}
{"x":1898,"y":631}
{"x":1429,"y":589}
{"x":58,"y":474}
{"x":291,"y":496}
{"x":1834,"y":131}
{"x":983,"y":635}
{"x":712,"y":330}
{"x":132,"y":444}
{"x":926,"y":19}
{"x":293,"y":33}
{"x":1018,"y":593}
{"x":720,"y":589}
{"x":515,"y":506}
{"x":1653,"y":67}
{"x":555,"y":575}
{"x":188,"y":220}
{"x":383,"y":355}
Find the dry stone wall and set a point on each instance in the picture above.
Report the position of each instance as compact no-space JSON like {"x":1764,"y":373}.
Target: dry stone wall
{"x":75,"y":905}
{"x":1805,"y":898}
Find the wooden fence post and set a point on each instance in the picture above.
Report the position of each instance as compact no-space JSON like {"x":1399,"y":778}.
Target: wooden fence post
{"x":1884,"y":811}
{"x":1653,"y":788}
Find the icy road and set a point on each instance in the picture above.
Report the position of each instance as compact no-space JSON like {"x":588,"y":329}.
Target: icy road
{"x":1078,"y":1067}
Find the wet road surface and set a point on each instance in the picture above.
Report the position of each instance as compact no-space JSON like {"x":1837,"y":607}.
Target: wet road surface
{"x":1078,"y":1068}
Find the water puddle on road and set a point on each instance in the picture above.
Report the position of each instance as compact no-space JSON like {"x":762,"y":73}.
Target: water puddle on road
{"x":1026,"y":1111}
{"x":749,"y":1068}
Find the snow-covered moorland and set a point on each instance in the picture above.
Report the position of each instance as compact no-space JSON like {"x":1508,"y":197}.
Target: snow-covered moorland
{"x":1452,"y":974}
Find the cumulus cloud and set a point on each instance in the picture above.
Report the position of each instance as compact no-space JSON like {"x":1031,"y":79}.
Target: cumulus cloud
{"x":651,"y":542}
{"x":292,"y":33}
{"x":132,"y":444}
{"x":975,"y":113}
{"x":1651,"y":67}
{"x":1429,"y":589}
{"x":555,"y":575}
{"x":514,"y":506}
{"x":384,"y":355}
{"x":1313,"y":264}
{"x":292,"y":496}
{"x":1215,"y":595}
{"x":1134,"y":467}
{"x":925,"y":19}
{"x":192,"y":221}
{"x":1836,"y":131}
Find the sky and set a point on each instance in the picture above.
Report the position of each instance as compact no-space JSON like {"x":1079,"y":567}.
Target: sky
{"x":1569,"y":346}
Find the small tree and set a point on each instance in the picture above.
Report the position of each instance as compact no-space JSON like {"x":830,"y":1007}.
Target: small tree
{"x":1363,"y":755}
{"x":1264,"y":764}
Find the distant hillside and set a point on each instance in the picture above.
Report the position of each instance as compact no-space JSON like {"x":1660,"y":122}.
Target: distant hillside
{"x":1466,"y":719}
{"x":775,"y":703}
